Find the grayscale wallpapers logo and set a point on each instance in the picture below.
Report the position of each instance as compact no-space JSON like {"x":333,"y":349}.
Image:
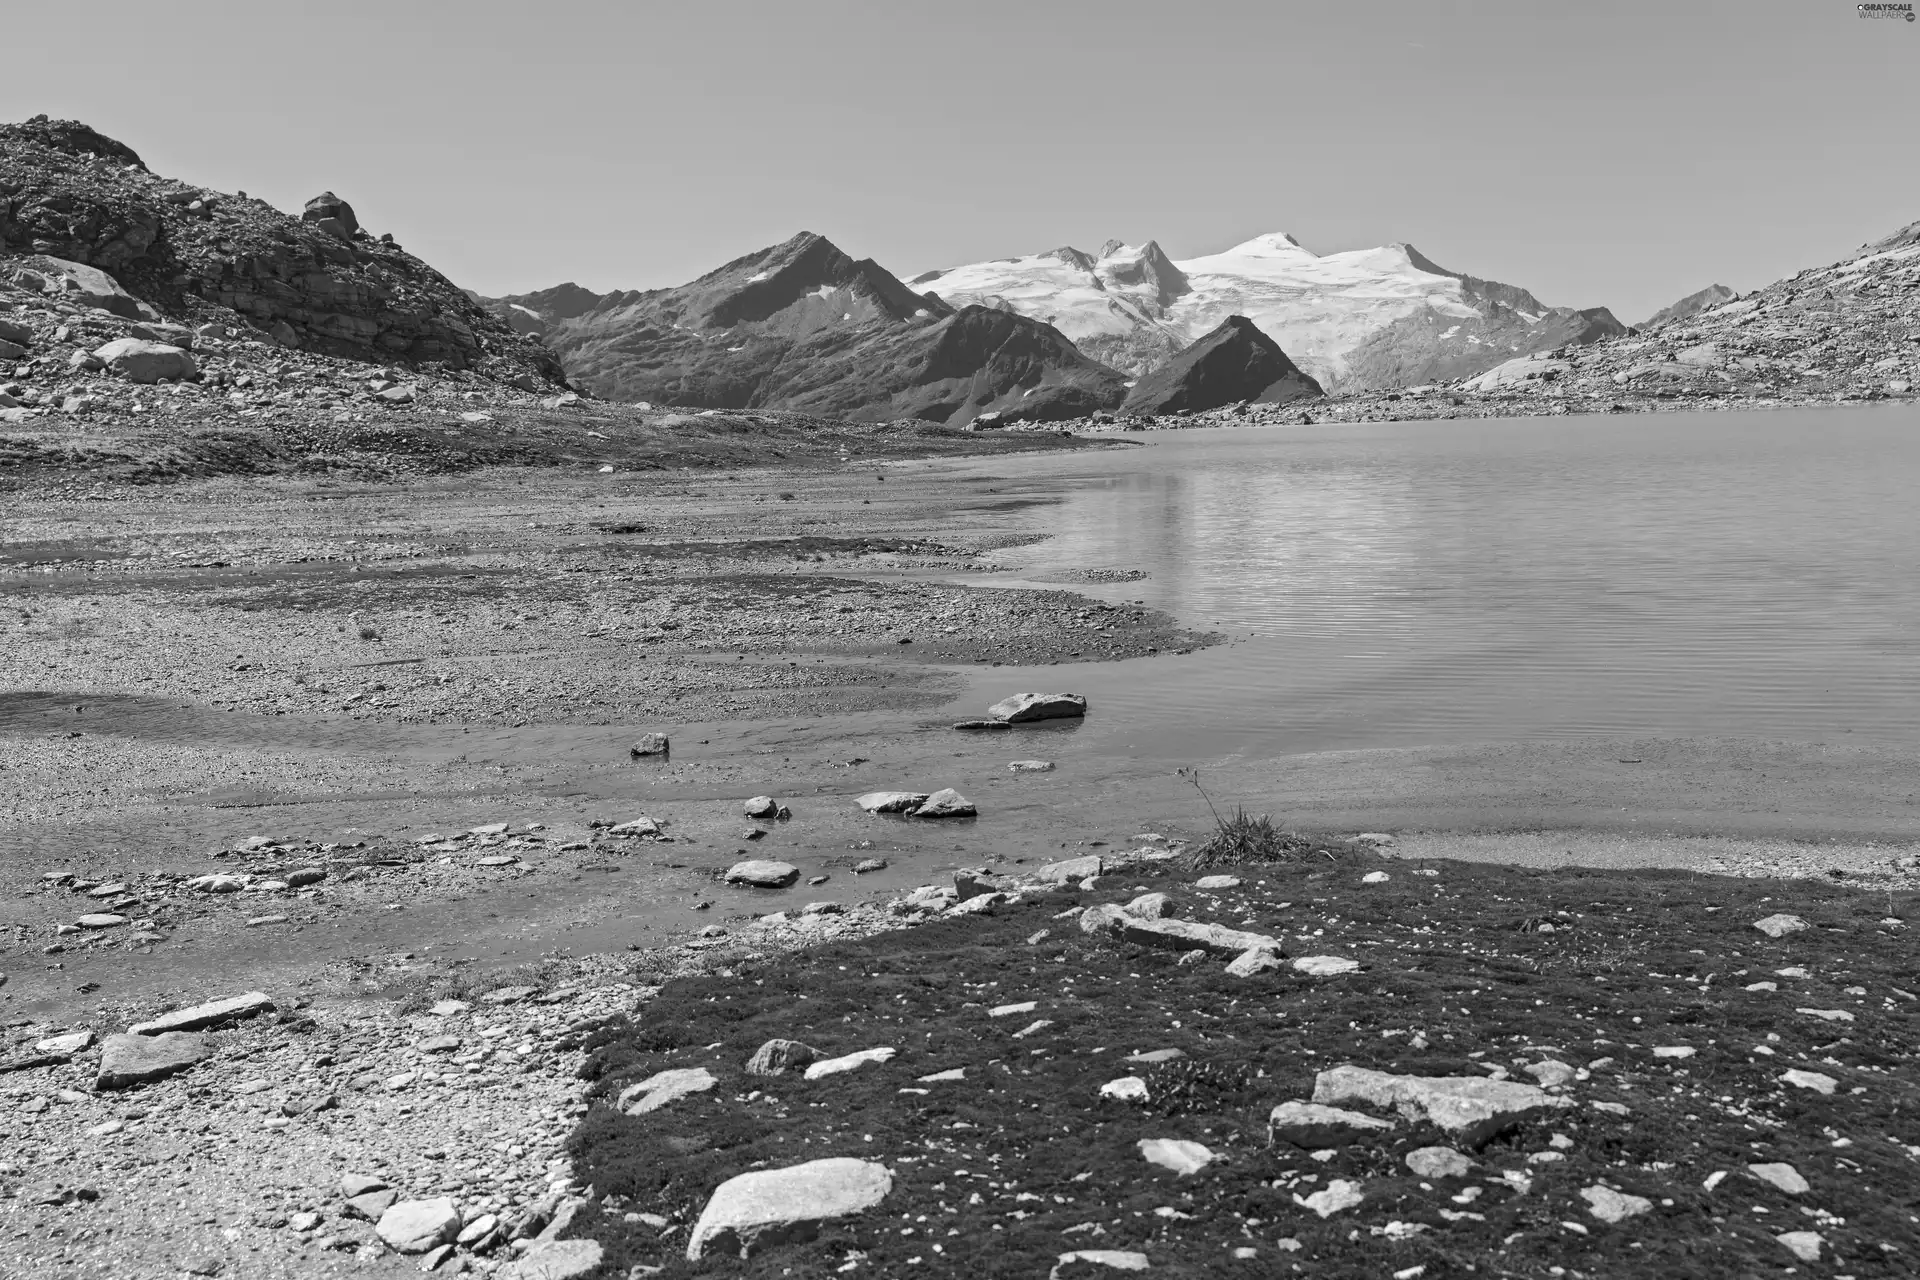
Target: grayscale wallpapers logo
{"x":1898,"y":12}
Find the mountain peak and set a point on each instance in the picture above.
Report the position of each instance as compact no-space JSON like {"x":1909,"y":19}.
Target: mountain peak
{"x":1273,"y":244}
{"x":72,"y":137}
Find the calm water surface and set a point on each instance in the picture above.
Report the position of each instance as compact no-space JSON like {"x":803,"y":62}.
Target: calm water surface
{"x":1395,"y":584}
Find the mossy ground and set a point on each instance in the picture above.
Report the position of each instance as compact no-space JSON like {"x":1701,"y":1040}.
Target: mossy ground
{"x":1001,"y":1173}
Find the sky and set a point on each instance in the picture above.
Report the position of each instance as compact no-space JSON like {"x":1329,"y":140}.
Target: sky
{"x":1613,"y":152}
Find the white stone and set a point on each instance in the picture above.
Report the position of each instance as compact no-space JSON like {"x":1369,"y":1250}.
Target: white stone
{"x":1217,"y":883}
{"x":1804,"y":1245}
{"x":1781,"y":1175}
{"x":557,"y":1260}
{"x":1125,"y":1089}
{"x":1473,"y":1110}
{"x":1337,"y":1195}
{"x":72,"y":1042}
{"x":1008,"y":1010}
{"x":763,"y":874}
{"x":1177,"y":1154}
{"x":1375,"y":877}
{"x":1814,"y":1080}
{"x":754,"y":1211}
{"x":945,"y":803}
{"x":415,"y":1226}
{"x":1674,"y":1051}
{"x":1118,"y":1259}
{"x":1438,"y":1162}
{"x":891,"y":801}
{"x":1150,"y":906}
{"x":1074,"y":869}
{"x":1030,"y":766}
{"x":1780,"y":924}
{"x":1253,"y":962}
{"x":1609,"y":1205}
{"x":848,"y":1062}
{"x":658,"y":1090}
{"x":941,"y":1077}
{"x":1325,"y":966}
{"x":1550,"y":1073}
{"x":1827,"y":1015}
{"x":1309,"y":1124}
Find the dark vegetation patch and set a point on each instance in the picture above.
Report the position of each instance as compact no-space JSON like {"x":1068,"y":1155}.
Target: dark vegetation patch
{"x":1466,"y":969}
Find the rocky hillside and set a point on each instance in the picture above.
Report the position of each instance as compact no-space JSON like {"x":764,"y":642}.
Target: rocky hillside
{"x":802,"y":326}
{"x":1693,"y":304}
{"x":1364,"y":320}
{"x":83,"y":219}
{"x":1848,"y":331}
{"x":1234,"y":363}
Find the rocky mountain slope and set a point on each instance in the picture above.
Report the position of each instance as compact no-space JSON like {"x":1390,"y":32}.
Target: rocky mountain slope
{"x":1234,"y":363}
{"x":1842,"y":332}
{"x":1367,"y":319}
{"x":81,"y":217}
{"x":802,"y":326}
{"x":1693,"y":304}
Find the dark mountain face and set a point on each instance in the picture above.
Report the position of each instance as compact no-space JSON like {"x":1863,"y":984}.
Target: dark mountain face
{"x":803,"y":326}
{"x":318,"y":282}
{"x":1235,"y":362}
{"x":534,"y":313}
{"x":1691,"y":305}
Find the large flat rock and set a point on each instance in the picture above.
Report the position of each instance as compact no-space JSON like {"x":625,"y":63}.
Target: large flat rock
{"x":1189,"y":935}
{"x":557,"y":1260}
{"x":891,"y":801}
{"x":1309,"y":1124}
{"x":763,"y":874}
{"x":128,"y":1059}
{"x":1468,"y":1108}
{"x":415,"y":1226}
{"x":755,"y":1211}
{"x":214,"y":1013}
{"x":1023,"y":708}
{"x":658,"y":1090}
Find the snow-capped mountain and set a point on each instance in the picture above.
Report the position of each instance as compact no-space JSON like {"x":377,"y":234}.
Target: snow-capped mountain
{"x":1359,"y":320}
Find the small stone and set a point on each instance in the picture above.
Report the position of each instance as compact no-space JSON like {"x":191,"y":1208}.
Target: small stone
{"x":1337,"y":1195}
{"x":1375,"y":877}
{"x":1117,"y":1259}
{"x":1125,"y":1089}
{"x":1609,"y":1205}
{"x":941,"y":1077}
{"x":257,"y":921}
{"x":448,"y":1008}
{"x":439,"y":1044}
{"x":359,"y":1184}
{"x":1152,"y":1056}
{"x":1780,"y":924}
{"x":636,"y":827}
{"x":371,"y":1204}
{"x":848,"y":1062}
{"x":867,"y":865}
{"x":763,"y":874}
{"x":650,"y":744}
{"x":72,"y":1042}
{"x":754,"y":1211}
{"x":1804,"y":1245}
{"x":1781,"y":1175}
{"x":1827,"y":1015}
{"x":777,"y":1056}
{"x":100,"y":920}
{"x":1215,"y":884}
{"x":1308,"y":1124}
{"x":1473,"y":1110}
{"x":477,"y":1230}
{"x":303,"y":1221}
{"x":1030,"y":766}
{"x":1177,"y":1154}
{"x":1008,"y":1010}
{"x":139,"y":1059}
{"x":415,"y":1226}
{"x":658,"y":1090}
{"x":1438,"y":1162}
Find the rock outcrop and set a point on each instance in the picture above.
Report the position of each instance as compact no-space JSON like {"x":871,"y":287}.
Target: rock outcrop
{"x":804,"y":327}
{"x":1234,"y":362}
{"x":84,"y":220}
{"x":753,"y":1211}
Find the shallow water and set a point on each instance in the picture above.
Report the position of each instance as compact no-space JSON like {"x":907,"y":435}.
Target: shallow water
{"x":1398,"y":584}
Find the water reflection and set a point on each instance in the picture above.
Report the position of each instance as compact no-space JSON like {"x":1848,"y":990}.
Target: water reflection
{"x":1748,"y":574}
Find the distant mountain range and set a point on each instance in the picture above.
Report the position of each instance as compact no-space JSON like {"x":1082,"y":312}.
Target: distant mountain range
{"x":1367,"y":319}
{"x":1693,"y":304}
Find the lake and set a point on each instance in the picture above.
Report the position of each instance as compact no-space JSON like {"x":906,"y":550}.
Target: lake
{"x":1396,"y":584}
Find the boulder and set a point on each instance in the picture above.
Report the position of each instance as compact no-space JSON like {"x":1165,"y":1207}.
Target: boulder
{"x":214,"y":1013}
{"x":1468,"y":1108}
{"x":1253,"y":962}
{"x":415,"y":1226}
{"x":658,"y":1090}
{"x":1150,"y":906}
{"x":129,"y":1059}
{"x":975,"y":883}
{"x":946,"y":803}
{"x":1023,"y":708}
{"x":763,"y":874}
{"x":649,"y":744}
{"x":753,"y":1211}
{"x":557,"y":1260}
{"x":1177,"y":1154}
{"x":1125,"y":1089}
{"x":1780,"y":924}
{"x":11,"y":331}
{"x":138,"y":360}
{"x":776,"y":1056}
{"x":891,"y":801}
{"x":85,"y":286}
{"x":1099,"y":919}
{"x":331,"y":214}
{"x":1308,"y":1124}
{"x":762,"y":807}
